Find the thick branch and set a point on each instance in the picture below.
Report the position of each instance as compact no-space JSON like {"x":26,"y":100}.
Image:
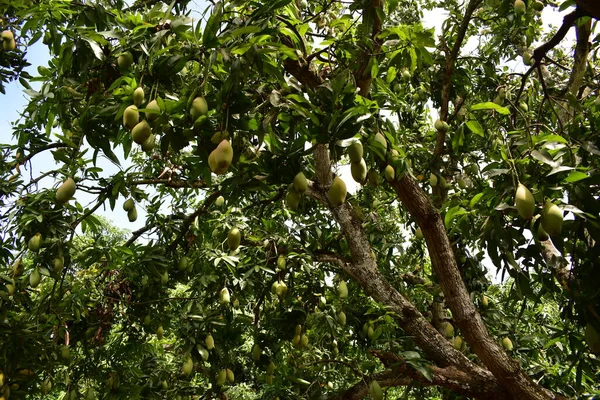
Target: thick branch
{"x":568,"y":21}
{"x":582,"y":50}
{"x":362,"y":75}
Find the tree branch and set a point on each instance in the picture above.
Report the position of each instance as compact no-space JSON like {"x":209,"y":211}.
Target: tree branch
{"x":196,"y":184}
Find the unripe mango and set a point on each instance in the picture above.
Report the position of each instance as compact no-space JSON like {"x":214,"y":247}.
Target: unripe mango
{"x":234,"y":237}
{"x":439,"y":125}
{"x":380,"y":143}
{"x":131,"y":117}
{"x":359,"y":171}
{"x":552,"y":218}
{"x":58,"y":264}
{"x":125,"y":60}
{"x":457,"y":343}
{"x":389,"y":173}
{"x":592,"y":338}
{"x":292,"y":199}
{"x":485,"y":301}
{"x":419,"y":233}
{"x":524,"y":202}
{"x":281,"y":262}
{"x":199,"y":107}
{"x":183,"y":263}
{"x":35,"y":242}
{"x":153,"y":106}
{"x":341,"y":317}
{"x":220,"y":201}
{"x":188,"y":366}
{"x":375,"y":390}
{"x":542,"y":235}
{"x":128,"y":204}
{"x":138,"y":96}
{"x":433,"y":180}
{"x":300,"y":182}
{"x":224,"y":296}
{"x":373,"y":177}
{"x":303,"y":341}
{"x":221,"y":377}
{"x":66,"y":191}
{"x":220,"y":158}
{"x":35,"y":278}
{"x":343,"y":290}
{"x":355,"y":152}
{"x":160,"y":332}
{"x":520,"y":7}
{"x":209,"y":342}
{"x":132,"y":214}
{"x":447,"y":329}
{"x":149,"y":143}
{"x":507,"y":344}
{"x":141,"y":132}
{"x":256,"y":352}
{"x":230,"y":376}
{"x":337,"y":192}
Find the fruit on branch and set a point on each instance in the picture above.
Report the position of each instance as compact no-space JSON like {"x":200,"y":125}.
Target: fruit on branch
{"x":160,"y":332}
{"x":199,"y":107}
{"x":128,"y":205}
{"x":303,"y":341}
{"x":220,"y":158}
{"x":234,"y":237}
{"x":221,"y":377}
{"x":380,"y":143}
{"x":183,"y":263}
{"x":281,"y":262}
{"x":457,"y":343}
{"x":131,"y":117}
{"x":373,"y":177}
{"x":292,"y":199}
{"x":524,"y":202}
{"x":538,"y":5}
{"x":507,"y":344}
{"x":58,"y":264}
{"x":528,"y":58}
{"x":256,"y":351}
{"x":375,"y":390}
{"x":300,"y":182}
{"x":138,"y":96}
{"x":125,"y":60}
{"x":164,"y":278}
{"x":343,"y":290}
{"x":592,"y":338}
{"x":35,"y":278}
{"x":224,"y":297}
{"x":209,"y":342}
{"x":440,"y":125}
{"x":141,"y":132}
{"x":132,"y":214}
{"x":337,"y":192}
{"x":220,"y":201}
{"x":389,"y":173}
{"x":552,"y":218}
{"x":419,"y":233}
{"x":153,"y":106}
{"x":35,"y":242}
{"x":230,"y":376}
{"x":405,"y":74}
{"x":542,"y":235}
{"x":46,"y":386}
{"x":433,"y":180}
{"x":355,"y":151}
{"x":188,"y":366}
{"x":359,"y":171}
{"x":447,"y":329}
{"x":66,"y":191}
{"x":8,"y":40}
{"x":149,"y":143}
{"x":485,"y":301}
{"x":520,"y":7}
{"x":12,"y":289}
{"x":341,"y":317}
{"x":271,"y":367}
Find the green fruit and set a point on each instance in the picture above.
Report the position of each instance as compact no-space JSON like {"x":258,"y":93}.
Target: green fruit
{"x":66,"y":191}
{"x":343,"y":290}
{"x":165,"y":385}
{"x":528,"y":58}
{"x":152,"y":106}
{"x":373,"y":177}
{"x":281,"y":262}
{"x":322,"y":302}
{"x":355,"y":152}
{"x":296,"y":340}
{"x":7,"y":36}
{"x":46,"y":386}
{"x":439,"y":125}
{"x":35,"y":242}
{"x":188,"y":366}
{"x":298,"y":329}
{"x":221,"y":377}
{"x":256,"y":352}
{"x":300,"y":182}
{"x":18,"y":267}
{"x":141,"y":132}
{"x":234,"y":237}
{"x":160,"y":332}
{"x":65,"y":352}
{"x":337,"y":192}
{"x":131,"y":117}
{"x":461,"y":183}
{"x":389,"y":173}
{"x":447,"y":329}
{"x":380,"y":143}
{"x":183,"y":263}
{"x":405,"y":74}
{"x":125,"y":60}
{"x":209,"y":342}
{"x":199,"y":107}
{"x":520,"y":7}
{"x":341,"y":317}
{"x":138,"y":96}
{"x":220,"y":201}
{"x":292,"y":199}
{"x":542,"y":235}
{"x":443,"y":183}
{"x":35,"y":278}
{"x":230,"y":376}
{"x":203,"y":353}
{"x":269,"y":379}
{"x":538,"y":5}
{"x":303,"y":341}
{"x":128,"y":205}
{"x":147,"y":320}
{"x":419,"y":233}
{"x":164,"y":278}
{"x":9,"y":45}
{"x":524,"y":202}
{"x":132,"y":215}
{"x":507,"y":344}
{"x":224,"y":296}
{"x":149,"y":144}
{"x":90,"y":395}
{"x":220,"y":158}
{"x":457,"y":343}
{"x":592,"y":338}
{"x":375,"y":391}
{"x":485,"y":301}
{"x":552,"y":219}
{"x":359,"y":171}
{"x":58,"y":264}
{"x":271,"y":367}
{"x":12,"y":289}
{"x":433,"y":180}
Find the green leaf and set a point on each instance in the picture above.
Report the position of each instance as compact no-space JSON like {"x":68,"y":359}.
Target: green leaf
{"x":475,"y":127}
{"x":575,"y":176}
{"x":488,"y":105}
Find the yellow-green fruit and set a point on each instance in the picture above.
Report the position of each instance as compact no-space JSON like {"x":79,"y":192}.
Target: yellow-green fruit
{"x":230,"y":376}
{"x":199,"y":107}
{"x":18,"y":267}
{"x":165,"y":385}
{"x":153,"y":106}
{"x":343,"y":290}
{"x":322,"y":302}
{"x":220,"y":201}
{"x":12,"y":289}
{"x":131,"y":117}
{"x":132,"y":214}
{"x":592,"y":338}
{"x":375,"y":391}
{"x":300,"y":182}
{"x":125,"y":60}
{"x":221,"y":377}
{"x":380,"y":143}
{"x":439,"y":125}
{"x":35,"y":278}
{"x":128,"y":205}
{"x":461,"y":183}
{"x":256,"y":352}
{"x":141,"y":132}
{"x":337,"y":192}
{"x":90,"y":395}
{"x":160,"y":332}
{"x":485,"y":301}
{"x":389,"y":173}
{"x":542,"y":235}
{"x":46,"y":386}
{"x":457,"y":343}
{"x":220,"y":158}
{"x":269,"y":379}
{"x":433,"y":180}
{"x":224,"y":296}
{"x":35,"y":242}
{"x":65,"y":352}
{"x":281,"y":261}
{"x":341,"y":317}
{"x":370,"y":332}
{"x":164,"y":278}
{"x":203,"y":353}
{"x":373,"y":177}
{"x":234,"y":237}
{"x":66,"y":191}
{"x":188,"y":366}
{"x":538,"y":5}
{"x":7,"y":36}
{"x":147,"y":320}
{"x":271,"y":367}
{"x":355,"y":152}
{"x":149,"y":144}
{"x":303,"y":341}
{"x":138,"y":96}
{"x":209,"y":342}
{"x":292,"y":199}
{"x":507,"y":344}
{"x":58,"y":264}
{"x":552,"y":219}
{"x":447,"y":329}
{"x":359,"y":171}
{"x":183,"y":263}
{"x":524,"y":202}
{"x":419,"y":233}
{"x":8,"y":41}
{"x":296,"y":340}
{"x":298,"y":329}
{"x":520,"y":7}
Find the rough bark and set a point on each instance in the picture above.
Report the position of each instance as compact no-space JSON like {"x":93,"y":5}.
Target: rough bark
{"x":592,"y":7}
{"x":582,"y":50}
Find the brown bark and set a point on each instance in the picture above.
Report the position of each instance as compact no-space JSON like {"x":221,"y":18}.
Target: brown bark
{"x":592,"y":7}
{"x":582,"y":50}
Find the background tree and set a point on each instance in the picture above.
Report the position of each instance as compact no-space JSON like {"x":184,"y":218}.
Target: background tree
{"x":256,"y":275}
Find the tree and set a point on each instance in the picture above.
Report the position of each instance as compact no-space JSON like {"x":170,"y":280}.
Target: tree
{"x":260,"y":282}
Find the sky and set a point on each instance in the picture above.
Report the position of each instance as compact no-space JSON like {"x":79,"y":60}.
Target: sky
{"x":15,"y":100}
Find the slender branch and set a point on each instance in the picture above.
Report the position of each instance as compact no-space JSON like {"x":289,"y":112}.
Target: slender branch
{"x":192,"y":217}
{"x":196,"y":184}
{"x":568,"y":21}
{"x":40,"y":150}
